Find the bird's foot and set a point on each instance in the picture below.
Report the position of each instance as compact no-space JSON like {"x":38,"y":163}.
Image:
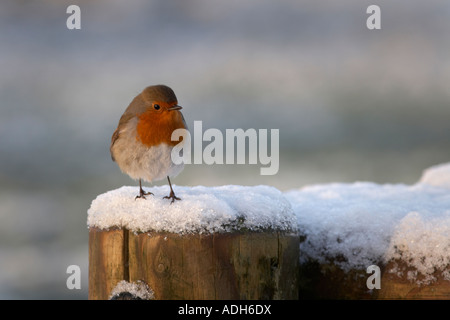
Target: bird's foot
{"x":142,"y":194}
{"x":172,"y":196}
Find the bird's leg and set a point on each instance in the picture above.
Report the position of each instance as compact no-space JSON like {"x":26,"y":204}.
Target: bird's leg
{"x":142,"y":193}
{"x":172,"y":194}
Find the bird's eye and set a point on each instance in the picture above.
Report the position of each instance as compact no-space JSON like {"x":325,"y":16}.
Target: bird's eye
{"x":156,"y":106}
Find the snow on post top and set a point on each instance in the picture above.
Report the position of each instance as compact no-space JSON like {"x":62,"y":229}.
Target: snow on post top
{"x":355,"y":225}
{"x":438,"y":176}
{"x":201,"y":210}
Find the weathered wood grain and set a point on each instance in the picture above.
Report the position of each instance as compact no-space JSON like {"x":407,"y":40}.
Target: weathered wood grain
{"x":240,"y":265}
{"x":107,"y":261}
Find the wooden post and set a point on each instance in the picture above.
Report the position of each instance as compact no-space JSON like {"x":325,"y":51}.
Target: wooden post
{"x":238,"y":265}
{"x":325,"y":281}
{"x":398,"y":286}
{"x":328,"y":281}
{"x":106,"y":261}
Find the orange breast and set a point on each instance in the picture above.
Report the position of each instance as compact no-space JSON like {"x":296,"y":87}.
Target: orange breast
{"x":156,"y":128}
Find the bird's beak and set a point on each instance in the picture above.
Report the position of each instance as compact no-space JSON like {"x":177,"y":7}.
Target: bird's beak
{"x":175,"y":107}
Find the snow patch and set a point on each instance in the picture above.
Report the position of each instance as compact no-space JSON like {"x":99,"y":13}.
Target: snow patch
{"x":137,"y":290}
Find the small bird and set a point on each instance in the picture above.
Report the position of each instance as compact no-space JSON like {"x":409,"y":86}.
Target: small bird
{"x":141,"y":145}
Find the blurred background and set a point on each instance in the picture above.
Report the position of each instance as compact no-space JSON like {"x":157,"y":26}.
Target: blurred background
{"x":351,"y":104}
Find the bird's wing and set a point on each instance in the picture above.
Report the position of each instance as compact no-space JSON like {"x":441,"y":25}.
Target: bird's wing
{"x":114,"y":137}
{"x":122,"y":122}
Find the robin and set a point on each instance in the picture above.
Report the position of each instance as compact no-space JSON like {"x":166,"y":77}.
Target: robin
{"x":141,"y":145}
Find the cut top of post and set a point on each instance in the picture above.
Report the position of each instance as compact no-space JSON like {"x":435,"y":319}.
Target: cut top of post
{"x":201,"y":210}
